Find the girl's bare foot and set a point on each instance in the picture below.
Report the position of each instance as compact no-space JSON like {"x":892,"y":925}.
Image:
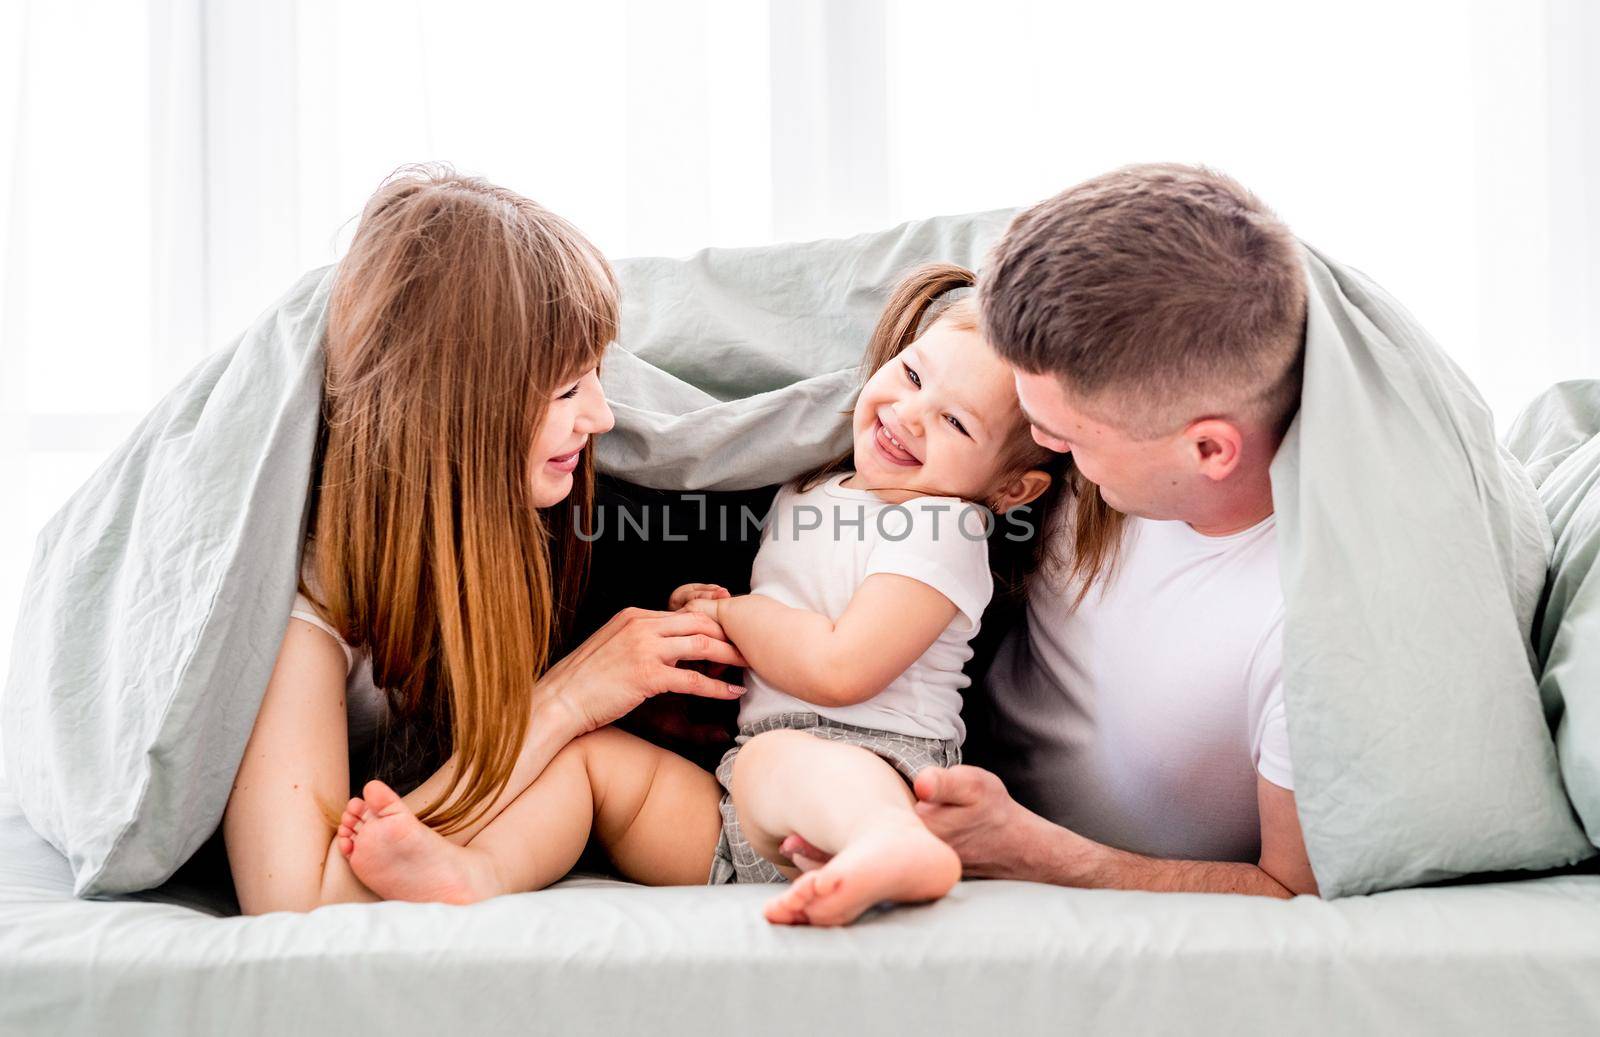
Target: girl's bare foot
{"x":901,"y":862}
{"x":400,"y":858}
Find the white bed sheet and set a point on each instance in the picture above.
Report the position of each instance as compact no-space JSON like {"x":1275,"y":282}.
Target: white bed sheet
{"x":994,"y":957}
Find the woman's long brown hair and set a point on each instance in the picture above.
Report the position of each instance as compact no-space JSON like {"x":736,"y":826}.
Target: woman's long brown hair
{"x":460,"y":309}
{"x":920,"y":300}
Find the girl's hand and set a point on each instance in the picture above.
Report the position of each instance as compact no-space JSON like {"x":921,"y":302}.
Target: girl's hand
{"x":706,"y":599}
{"x":694,"y":592}
{"x":630,"y":659}
{"x":802,"y":854}
{"x":711,"y":607}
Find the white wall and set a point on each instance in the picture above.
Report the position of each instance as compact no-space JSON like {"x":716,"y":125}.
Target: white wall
{"x":167,"y":167}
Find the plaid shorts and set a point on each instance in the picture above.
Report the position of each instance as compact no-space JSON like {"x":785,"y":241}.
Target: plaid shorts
{"x":736,"y":860}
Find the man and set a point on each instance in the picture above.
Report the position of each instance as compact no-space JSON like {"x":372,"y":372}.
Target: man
{"x":1155,"y":321}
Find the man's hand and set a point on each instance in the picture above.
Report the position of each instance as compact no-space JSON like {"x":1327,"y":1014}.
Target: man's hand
{"x":998,"y":838}
{"x":969,"y":808}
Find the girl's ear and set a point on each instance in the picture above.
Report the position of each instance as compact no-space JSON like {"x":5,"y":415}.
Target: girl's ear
{"x":1023,"y":489}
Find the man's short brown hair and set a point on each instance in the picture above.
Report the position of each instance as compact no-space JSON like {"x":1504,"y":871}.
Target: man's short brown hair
{"x":1165,"y":293}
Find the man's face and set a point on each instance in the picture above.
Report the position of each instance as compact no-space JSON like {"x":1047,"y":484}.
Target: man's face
{"x":1150,"y":478}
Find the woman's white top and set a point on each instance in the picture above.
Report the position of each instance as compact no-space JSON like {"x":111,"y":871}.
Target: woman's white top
{"x":365,"y":704}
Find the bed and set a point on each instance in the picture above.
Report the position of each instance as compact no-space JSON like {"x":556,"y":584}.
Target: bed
{"x":596,"y":955}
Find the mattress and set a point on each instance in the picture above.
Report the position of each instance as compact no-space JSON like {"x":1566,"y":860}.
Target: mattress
{"x":594,"y":955}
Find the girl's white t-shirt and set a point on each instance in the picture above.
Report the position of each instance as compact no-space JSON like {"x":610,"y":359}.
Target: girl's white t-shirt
{"x":820,"y":545}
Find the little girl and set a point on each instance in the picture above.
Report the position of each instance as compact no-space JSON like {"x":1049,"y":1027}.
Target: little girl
{"x":866,"y":593}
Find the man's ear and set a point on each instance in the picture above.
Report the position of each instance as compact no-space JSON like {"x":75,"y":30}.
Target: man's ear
{"x":1023,"y":489}
{"x":1216,"y":445}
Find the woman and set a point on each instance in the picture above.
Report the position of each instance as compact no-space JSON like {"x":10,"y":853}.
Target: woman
{"x":465,"y":331}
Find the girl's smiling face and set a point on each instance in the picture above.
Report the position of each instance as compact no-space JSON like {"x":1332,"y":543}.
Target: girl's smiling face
{"x":937,"y":420}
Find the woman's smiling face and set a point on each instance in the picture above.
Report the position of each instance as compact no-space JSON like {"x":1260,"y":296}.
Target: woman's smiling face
{"x":576,"y":412}
{"x":937,"y":419}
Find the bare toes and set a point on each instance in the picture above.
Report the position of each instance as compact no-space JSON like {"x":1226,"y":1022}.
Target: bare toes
{"x":790,"y":906}
{"x":380,"y":797}
{"x":781,"y":911}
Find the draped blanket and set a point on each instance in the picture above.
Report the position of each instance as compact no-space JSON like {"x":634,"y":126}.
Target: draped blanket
{"x":1413,"y":548}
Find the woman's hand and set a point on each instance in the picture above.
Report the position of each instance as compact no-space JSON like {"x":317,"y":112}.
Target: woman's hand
{"x":630,"y":659}
{"x":706,"y":599}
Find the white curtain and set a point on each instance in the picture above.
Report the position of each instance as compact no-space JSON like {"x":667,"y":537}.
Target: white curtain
{"x":168,"y":166}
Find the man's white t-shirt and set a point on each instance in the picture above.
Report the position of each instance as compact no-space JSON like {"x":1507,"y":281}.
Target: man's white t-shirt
{"x":817,"y":549}
{"x":1141,"y":718}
